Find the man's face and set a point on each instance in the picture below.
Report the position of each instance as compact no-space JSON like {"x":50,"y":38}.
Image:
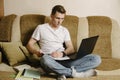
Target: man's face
{"x":57,"y":19}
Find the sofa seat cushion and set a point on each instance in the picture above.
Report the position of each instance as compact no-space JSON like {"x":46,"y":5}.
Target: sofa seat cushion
{"x":109,"y":64}
{"x":12,"y":52}
{"x":5,"y":67}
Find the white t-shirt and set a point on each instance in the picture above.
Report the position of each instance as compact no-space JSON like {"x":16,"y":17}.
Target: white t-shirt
{"x":51,"y":40}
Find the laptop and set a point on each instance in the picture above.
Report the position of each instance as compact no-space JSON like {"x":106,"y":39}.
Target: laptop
{"x":86,"y":47}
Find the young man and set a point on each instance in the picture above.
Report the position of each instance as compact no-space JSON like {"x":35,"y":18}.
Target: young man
{"x":51,"y":37}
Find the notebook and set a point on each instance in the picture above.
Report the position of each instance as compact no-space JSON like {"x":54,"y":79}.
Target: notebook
{"x":86,"y":47}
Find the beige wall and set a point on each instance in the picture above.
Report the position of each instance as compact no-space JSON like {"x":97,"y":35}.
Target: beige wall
{"x":81,"y":8}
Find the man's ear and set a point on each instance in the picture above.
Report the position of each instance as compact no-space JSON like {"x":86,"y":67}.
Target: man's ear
{"x":51,"y":16}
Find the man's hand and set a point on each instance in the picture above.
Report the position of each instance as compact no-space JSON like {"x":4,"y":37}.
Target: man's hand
{"x":39,"y":53}
{"x":57,"y":54}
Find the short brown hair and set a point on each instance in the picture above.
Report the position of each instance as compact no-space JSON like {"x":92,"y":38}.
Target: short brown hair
{"x":58,"y":8}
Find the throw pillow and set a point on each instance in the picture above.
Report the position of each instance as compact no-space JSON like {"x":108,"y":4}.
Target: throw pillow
{"x":32,"y":58}
{"x":6,"y":27}
{"x":12,"y":52}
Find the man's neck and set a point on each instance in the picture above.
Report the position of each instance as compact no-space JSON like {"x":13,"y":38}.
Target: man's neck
{"x":53,"y":26}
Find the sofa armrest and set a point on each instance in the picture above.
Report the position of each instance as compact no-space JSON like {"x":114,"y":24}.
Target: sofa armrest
{"x":0,"y":57}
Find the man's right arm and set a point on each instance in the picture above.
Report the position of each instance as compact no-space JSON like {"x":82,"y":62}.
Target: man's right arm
{"x":32,"y":49}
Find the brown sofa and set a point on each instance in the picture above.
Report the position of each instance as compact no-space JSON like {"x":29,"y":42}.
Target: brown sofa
{"x":15,"y":32}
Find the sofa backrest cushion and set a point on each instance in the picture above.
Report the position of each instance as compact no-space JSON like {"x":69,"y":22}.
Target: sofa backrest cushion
{"x":6,"y":23}
{"x":97,"y":25}
{"x":28,"y":23}
{"x":102,"y":26}
{"x":71,"y":23}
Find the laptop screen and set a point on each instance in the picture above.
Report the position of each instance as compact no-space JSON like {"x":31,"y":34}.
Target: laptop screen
{"x":87,"y":45}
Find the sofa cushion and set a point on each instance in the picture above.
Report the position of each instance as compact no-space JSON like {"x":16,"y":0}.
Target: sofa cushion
{"x":12,"y":52}
{"x":6,"y":27}
{"x":31,"y":58}
{"x":15,"y":35}
{"x":28,"y":23}
{"x":71,"y":23}
{"x":6,"y":68}
{"x":102,"y":26}
{"x":109,"y":64}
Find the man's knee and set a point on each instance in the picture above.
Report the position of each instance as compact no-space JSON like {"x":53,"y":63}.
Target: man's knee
{"x":97,"y":60}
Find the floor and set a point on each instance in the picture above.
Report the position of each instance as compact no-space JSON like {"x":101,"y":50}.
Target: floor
{"x":10,"y":76}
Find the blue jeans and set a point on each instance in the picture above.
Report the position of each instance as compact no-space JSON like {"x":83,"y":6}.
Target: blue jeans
{"x":64,"y":67}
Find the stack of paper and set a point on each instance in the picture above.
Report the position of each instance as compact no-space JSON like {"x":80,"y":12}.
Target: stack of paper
{"x":21,"y":67}
{"x":28,"y":74}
